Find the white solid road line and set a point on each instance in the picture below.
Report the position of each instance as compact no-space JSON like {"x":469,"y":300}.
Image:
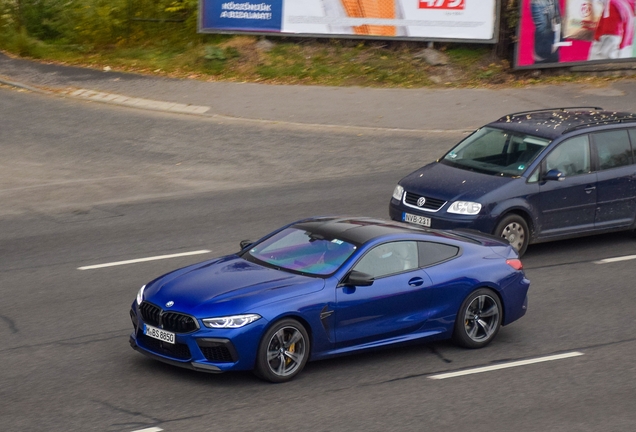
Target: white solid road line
{"x":152,"y":429}
{"x":505,"y":365}
{"x":138,"y":260}
{"x":617,"y":259}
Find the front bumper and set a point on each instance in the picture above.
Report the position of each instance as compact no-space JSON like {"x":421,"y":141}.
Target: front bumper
{"x":187,"y":364}
{"x":443,"y":220}
{"x":206,"y":350}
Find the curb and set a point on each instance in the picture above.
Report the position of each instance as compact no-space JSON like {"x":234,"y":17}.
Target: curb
{"x":138,"y":102}
{"x":200,"y":110}
{"x":23,"y":86}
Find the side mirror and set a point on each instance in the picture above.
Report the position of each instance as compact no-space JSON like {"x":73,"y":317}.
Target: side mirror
{"x":554,"y":175}
{"x":245,"y":243}
{"x":357,"y":278}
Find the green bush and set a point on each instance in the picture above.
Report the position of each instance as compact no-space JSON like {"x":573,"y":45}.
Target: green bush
{"x":98,"y":22}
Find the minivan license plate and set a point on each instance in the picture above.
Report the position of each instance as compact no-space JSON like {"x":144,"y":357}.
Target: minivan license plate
{"x":157,"y":333}
{"x":415,"y":219}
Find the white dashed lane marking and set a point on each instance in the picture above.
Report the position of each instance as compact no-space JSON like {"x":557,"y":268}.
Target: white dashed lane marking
{"x":138,"y":260}
{"x":152,"y":429}
{"x":505,"y":365}
{"x":616,"y":259}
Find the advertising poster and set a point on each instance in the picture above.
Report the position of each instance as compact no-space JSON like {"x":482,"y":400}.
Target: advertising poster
{"x":462,"y":20}
{"x":558,"y":32}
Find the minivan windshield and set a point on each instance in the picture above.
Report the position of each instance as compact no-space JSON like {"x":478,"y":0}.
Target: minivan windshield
{"x":496,"y":151}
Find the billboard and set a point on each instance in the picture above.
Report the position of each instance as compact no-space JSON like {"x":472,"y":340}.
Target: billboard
{"x":430,"y":20}
{"x":564,"y":32}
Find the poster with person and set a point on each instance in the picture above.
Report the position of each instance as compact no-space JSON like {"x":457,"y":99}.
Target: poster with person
{"x":557,"y":32}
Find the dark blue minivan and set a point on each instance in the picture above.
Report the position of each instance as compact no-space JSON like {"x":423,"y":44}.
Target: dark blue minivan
{"x":530,"y":177}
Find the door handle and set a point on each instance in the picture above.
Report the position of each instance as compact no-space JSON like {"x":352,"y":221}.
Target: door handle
{"x":416,"y":281}
{"x":589,"y":189}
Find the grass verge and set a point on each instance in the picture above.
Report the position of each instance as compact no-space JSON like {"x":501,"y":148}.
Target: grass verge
{"x":332,"y":62}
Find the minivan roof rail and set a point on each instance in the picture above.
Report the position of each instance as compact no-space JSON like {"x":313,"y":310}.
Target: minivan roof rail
{"x":598,"y":122}
{"x":551,"y":109}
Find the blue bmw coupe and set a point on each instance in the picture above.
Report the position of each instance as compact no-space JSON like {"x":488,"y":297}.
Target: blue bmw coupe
{"x":329,"y":286}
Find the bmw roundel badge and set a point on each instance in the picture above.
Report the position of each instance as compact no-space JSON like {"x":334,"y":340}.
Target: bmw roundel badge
{"x":170,"y":304}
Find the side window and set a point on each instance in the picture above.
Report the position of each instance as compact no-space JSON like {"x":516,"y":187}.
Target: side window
{"x":432,"y":253}
{"x":612,"y":148}
{"x":571,"y":157}
{"x":389,"y":258}
{"x":535,"y":176}
{"x":632,"y":137}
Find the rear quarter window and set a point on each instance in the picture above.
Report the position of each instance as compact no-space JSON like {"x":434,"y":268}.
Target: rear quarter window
{"x":613,"y":149}
{"x":432,"y":253}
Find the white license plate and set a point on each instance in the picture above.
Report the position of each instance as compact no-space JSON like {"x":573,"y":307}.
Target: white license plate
{"x":157,"y":333}
{"x":415,"y":219}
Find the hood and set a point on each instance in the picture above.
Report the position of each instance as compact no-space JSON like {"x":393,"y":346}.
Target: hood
{"x":447,"y":183}
{"x":228,"y":285}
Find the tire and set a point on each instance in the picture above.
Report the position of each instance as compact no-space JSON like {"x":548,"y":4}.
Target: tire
{"x":282,"y":352}
{"x":478,"y":320}
{"x":514,"y":228}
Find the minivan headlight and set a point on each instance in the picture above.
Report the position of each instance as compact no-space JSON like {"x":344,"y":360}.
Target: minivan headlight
{"x":398,"y":192}
{"x":464,"y":207}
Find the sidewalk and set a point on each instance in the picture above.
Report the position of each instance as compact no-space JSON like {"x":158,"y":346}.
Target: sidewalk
{"x":409,"y":109}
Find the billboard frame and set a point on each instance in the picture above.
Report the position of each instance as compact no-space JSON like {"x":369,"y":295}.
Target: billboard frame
{"x":494,"y":40}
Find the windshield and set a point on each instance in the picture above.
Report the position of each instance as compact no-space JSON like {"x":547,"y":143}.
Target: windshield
{"x":496,"y":151}
{"x":303,"y":251}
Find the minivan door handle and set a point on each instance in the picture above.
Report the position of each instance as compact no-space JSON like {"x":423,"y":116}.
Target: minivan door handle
{"x":589,"y":189}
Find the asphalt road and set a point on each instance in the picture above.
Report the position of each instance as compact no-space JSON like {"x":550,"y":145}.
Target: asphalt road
{"x":84,"y":184}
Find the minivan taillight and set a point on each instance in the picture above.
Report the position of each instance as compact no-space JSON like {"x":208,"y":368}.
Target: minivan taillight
{"x":515,"y":264}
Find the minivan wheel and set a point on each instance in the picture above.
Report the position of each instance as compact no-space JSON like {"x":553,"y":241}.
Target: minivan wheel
{"x":514,"y":229}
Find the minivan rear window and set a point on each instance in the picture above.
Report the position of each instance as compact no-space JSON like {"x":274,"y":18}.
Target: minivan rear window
{"x":496,"y":151}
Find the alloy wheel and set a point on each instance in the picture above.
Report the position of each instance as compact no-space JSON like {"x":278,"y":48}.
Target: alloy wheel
{"x":481,"y":320}
{"x":286,"y":351}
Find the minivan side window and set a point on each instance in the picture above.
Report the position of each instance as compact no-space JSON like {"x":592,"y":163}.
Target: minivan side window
{"x":632,"y":137}
{"x":612,"y":148}
{"x":571,"y":157}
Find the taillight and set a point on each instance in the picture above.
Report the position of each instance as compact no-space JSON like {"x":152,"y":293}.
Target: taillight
{"x":515,"y":263}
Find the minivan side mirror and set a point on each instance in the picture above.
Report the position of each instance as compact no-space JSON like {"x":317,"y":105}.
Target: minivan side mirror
{"x":245,"y":243}
{"x":554,"y":175}
{"x":357,"y":278}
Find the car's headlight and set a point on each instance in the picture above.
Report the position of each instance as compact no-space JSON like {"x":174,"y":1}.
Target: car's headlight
{"x":140,"y":295}
{"x":235,"y":321}
{"x":398,"y":192}
{"x":464,"y":207}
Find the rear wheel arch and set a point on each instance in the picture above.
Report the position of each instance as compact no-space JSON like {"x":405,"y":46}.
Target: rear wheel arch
{"x":496,"y":291}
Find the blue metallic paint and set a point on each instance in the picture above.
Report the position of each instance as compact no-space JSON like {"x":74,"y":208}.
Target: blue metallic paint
{"x":363,"y":317}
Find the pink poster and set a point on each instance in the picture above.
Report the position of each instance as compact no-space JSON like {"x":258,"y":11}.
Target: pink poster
{"x":554,"y":32}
